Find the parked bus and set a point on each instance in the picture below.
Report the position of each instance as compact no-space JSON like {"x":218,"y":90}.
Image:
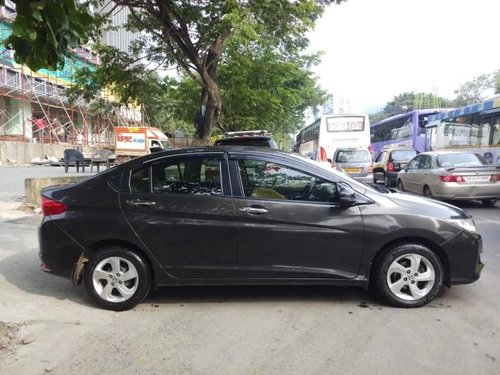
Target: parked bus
{"x":475,"y":127}
{"x":319,"y":140}
{"x":407,"y":129}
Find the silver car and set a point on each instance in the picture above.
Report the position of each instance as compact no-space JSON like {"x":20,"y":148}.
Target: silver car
{"x":451,"y":175}
{"x":355,"y":162}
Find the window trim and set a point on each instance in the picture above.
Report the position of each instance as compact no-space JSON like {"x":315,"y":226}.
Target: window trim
{"x":241,"y":196}
{"x":223,"y":170}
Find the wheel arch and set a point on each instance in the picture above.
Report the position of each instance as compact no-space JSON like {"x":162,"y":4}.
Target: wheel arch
{"x":91,"y":250}
{"x":436,"y":249}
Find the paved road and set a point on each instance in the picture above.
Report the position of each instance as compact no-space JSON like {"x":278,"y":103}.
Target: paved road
{"x":239,"y":330}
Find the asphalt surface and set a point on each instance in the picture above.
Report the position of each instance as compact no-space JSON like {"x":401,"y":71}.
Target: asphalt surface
{"x":236,"y":330}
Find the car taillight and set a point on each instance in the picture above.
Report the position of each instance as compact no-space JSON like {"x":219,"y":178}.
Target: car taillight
{"x":322,"y":154}
{"x":452,"y":178}
{"x":334,"y":165}
{"x":390,"y":167}
{"x":495,"y":178}
{"x":370,"y":168}
{"x":51,"y":207}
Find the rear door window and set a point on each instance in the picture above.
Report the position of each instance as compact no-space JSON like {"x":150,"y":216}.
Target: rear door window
{"x":403,"y":155}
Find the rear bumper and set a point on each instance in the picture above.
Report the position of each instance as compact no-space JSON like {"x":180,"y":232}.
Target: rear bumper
{"x":464,"y":192}
{"x":58,"y":251}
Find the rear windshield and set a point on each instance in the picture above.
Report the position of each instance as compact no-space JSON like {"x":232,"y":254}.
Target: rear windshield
{"x":353,"y":156}
{"x":257,"y":142}
{"x":460,"y":160}
{"x":403,"y":155}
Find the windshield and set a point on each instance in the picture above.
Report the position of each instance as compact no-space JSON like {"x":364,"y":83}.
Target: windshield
{"x":353,"y":156}
{"x":403,"y":155}
{"x":460,"y":160}
{"x":166,"y":144}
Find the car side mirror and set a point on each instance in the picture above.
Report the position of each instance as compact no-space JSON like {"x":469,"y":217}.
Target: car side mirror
{"x":346,"y":195}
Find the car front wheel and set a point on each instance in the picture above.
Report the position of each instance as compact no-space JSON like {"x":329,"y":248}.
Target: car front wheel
{"x":409,"y":275}
{"x":117,"y":278}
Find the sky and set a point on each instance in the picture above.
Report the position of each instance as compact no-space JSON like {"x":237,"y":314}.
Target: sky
{"x":377,"y":49}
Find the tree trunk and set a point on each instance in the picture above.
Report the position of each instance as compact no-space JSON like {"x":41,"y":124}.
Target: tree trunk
{"x":211,"y":101}
{"x":210,"y":95}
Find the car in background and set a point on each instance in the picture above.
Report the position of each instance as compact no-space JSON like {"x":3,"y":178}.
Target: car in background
{"x":355,"y":162}
{"x":390,"y":161}
{"x":257,"y":138}
{"x":451,"y":175}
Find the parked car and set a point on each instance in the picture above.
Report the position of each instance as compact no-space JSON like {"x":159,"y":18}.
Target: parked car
{"x":389,"y":162}
{"x":356,"y":162}
{"x":242,"y":215}
{"x":450,"y":175}
{"x":258,"y":138}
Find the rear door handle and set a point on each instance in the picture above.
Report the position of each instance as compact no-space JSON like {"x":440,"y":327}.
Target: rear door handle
{"x":253,"y":210}
{"x":140,"y":203}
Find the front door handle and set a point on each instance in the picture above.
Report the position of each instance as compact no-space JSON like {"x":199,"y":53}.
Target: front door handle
{"x":253,"y":210}
{"x":140,"y":203}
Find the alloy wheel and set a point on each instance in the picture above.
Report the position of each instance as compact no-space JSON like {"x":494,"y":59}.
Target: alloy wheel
{"x":411,"y":277}
{"x":115,"y":279}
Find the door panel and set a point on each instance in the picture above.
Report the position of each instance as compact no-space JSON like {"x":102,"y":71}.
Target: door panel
{"x":298,"y":240}
{"x":188,"y":223}
{"x":290,"y":227}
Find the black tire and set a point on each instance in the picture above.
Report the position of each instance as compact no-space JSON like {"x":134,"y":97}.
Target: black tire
{"x":488,"y":202}
{"x":123,"y":293}
{"x":400,"y":186}
{"x":387,"y":182}
{"x":429,"y":262}
{"x":428,"y":192}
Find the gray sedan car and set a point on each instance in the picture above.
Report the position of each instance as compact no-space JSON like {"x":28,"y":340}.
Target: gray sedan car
{"x":355,"y":162}
{"x":451,"y":175}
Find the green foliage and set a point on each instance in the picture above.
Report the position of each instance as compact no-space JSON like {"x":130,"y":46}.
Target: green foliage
{"x":44,"y":31}
{"x":261,"y":89}
{"x":410,"y":101}
{"x":477,"y":89}
{"x":497,"y":82}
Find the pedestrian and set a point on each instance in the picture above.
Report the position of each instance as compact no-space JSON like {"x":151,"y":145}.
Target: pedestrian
{"x":79,"y":142}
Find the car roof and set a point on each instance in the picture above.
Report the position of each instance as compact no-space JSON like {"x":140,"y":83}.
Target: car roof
{"x":446,"y":152}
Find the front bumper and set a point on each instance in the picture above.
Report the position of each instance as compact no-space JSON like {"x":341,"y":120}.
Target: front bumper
{"x":464,"y":255}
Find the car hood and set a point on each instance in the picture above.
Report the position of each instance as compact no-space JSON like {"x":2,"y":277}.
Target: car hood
{"x":422,"y":205}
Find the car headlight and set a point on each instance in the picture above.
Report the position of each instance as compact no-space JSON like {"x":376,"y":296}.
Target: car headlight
{"x":467,"y":224}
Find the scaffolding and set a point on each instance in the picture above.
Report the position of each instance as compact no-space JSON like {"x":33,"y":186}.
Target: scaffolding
{"x":34,"y":106}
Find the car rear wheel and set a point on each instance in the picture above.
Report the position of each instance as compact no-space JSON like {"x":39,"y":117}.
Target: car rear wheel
{"x":387,"y":181}
{"x":409,"y":275}
{"x":488,"y":202}
{"x":117,"y":278}
{"x":400,"y":186}
{"x":427,"y":191}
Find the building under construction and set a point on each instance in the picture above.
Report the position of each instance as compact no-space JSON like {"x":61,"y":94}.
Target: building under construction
{"x":34,"y":109}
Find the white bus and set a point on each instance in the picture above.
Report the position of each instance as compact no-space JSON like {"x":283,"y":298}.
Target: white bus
{"x":319,"y":140}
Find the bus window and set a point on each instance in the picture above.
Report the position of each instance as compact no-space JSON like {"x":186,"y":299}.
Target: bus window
{"x":496,"y":132}
{"x":485,"y":131}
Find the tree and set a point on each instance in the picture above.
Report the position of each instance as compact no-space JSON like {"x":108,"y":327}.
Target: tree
{"x":191,"y":34}
{"x":410,"y":101}
{"x":477,"y":89}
